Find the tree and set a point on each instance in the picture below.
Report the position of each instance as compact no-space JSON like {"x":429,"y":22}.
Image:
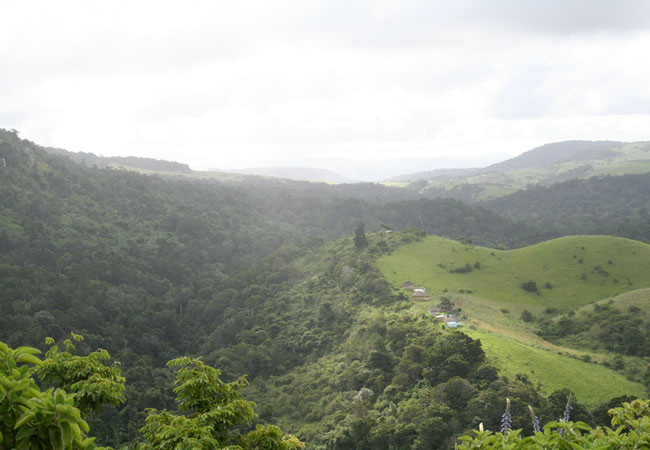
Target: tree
{"x":529,"y":286}
{"x":360,"y":241}
{"x":35,"y":419}
{"x":212,"y":411}
{"x":92,"y":383}
{"x":527,"y":316}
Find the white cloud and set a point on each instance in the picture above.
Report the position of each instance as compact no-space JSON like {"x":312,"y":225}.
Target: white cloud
{"x":219,"y":84}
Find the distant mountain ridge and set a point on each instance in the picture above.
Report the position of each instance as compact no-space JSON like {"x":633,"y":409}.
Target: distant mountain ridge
{"x":542,"y":166}
{"x":545,"y":165}
{"x":544,"y":156}
{"x":90,"y":159}
{"x":437,"y":173}
{"x":556,"y":153}
{"x":297,"y":173}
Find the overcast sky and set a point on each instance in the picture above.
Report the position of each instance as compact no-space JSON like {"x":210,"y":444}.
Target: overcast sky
{"x":232,"y":84}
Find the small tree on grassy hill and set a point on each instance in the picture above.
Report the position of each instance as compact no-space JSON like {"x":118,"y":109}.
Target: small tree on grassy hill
{"x":527,"y":316}
{"x":446,"y":304}
{"x":529,"y":286}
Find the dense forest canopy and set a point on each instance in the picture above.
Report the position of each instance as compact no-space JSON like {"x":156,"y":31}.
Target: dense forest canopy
{"x":264,"y":278}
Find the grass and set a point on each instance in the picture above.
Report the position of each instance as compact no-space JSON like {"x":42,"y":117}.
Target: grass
{"x":592,"y":383}
{"x":580,"y":270}
{"x":491,"y":191}
{"x":628,"y":159}
{"x":639,"y":299}
{"x":623,"y":168}
{"x":493,"y":299}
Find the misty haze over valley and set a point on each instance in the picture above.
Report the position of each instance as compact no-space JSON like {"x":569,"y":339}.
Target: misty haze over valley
{"x":325,"y":225}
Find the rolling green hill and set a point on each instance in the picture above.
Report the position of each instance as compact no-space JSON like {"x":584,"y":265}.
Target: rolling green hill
{"x":578,"y":269}
{"x":559,"y":153}
{"x":550,"y":371}
{"x":618,"y":325}
{"x":486,"y":285}
{"x":639,"y":299}
{"x":552,"y":163}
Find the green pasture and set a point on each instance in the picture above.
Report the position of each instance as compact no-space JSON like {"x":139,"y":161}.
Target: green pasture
{"x":578,"y":269}
{"x":592,"y":383}
{"x":639,"y":299}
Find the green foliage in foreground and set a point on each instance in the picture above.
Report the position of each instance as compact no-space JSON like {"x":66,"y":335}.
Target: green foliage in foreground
{"x":33,"y":419}
{"x":211,"y":410}
{"x":630,"y":430}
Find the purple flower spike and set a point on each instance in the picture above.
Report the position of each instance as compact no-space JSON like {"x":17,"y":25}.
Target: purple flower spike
{"x":567,"y":413}
{"x":506,"y":419}
{"x":567,"y":409}
{"x":534,"y":419}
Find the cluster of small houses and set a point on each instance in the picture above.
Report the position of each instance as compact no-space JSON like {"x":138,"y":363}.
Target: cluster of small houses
{"x":451,"y":320}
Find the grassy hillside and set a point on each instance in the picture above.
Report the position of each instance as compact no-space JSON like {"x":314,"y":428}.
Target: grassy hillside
{"x":549,"y":371}
{"x":618,"y":325}
{"x":639,"y":299}
{"x":486,"y":285}
{"x":579,"y":269}
{"x":535,"y":167}
{"x":557,"y":153}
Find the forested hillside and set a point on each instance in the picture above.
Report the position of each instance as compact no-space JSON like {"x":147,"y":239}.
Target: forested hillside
{"x":260,"y":278}
{"x":143,"y":266}
{"x":612,"y":205}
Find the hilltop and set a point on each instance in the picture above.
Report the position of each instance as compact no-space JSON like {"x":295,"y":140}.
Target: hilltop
{"x":567,"y":272}
{"x":544,"y":166}
{"x":125,"y":162}
{"x":297,"y":173}
{"x":600,"y":204}
{"x":559,"y":153}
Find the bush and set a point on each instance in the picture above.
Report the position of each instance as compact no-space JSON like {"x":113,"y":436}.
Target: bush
{"x":526,"y":316}
{"x":529,"y":286}
{"x":629,"y":430}
{"x":466,"y":268}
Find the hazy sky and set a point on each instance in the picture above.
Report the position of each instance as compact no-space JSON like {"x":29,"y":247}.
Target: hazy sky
{"x":230,"y":84}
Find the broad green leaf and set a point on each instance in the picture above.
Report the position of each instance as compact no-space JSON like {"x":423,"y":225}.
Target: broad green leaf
{"x":25,"y":349}
{"x":24,"y":418}
{"x":56,"y":439}
{"x":24,"y":433}
{"x":66,"y":433}
{"x":28,"y":358}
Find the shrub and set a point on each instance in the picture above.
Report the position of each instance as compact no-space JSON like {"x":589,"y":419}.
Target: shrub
{"x":529,"y":286}
{"x":466,"y":268}
{"x":630,"y":429}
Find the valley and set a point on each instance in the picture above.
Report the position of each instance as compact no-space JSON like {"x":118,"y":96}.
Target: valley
{"x":297,"y":285}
